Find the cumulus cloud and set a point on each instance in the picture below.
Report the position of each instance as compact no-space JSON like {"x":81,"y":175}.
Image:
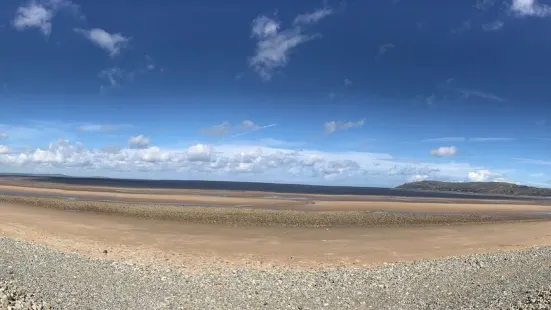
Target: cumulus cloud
{"x":138,"y":142}
{"x":484,"y":176}
{"x":34,"y":15}
{"x":234,"y":162}
{"x":530,"y":8}
{"x":275,"y":44}
{"x":493,"y":26}
{"x":444,"y":151}
{"x":199,"y":153}
{"x":4,"y":149}
{"x":332,"y":126}
{"x":419,"y":178}
{"x":113,"y":43}
{"x":40,"y":14}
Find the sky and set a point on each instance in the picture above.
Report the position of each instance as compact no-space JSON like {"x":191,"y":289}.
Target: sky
{"x":351,"y":92}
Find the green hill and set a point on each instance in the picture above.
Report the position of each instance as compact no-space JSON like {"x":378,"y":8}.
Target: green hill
{"x":495,"y":188}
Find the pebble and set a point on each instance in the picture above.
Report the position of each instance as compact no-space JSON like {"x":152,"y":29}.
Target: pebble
{"x":39,"y":278}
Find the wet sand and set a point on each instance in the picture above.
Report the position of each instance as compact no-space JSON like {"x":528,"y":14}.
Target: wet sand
{"x":198,"y":246}
{"x":250,"y":230}
{"x":275,"y":201}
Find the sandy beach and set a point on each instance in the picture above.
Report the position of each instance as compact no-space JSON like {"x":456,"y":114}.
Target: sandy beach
{"x":262,"y":234}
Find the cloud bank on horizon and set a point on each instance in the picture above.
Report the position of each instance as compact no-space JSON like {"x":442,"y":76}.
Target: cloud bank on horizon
{"x":278,"y":92}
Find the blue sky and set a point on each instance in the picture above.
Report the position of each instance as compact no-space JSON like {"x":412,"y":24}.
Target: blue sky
{"x":367,"y":93}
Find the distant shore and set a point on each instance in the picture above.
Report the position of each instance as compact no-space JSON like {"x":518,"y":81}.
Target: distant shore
{"x":53,"y":181}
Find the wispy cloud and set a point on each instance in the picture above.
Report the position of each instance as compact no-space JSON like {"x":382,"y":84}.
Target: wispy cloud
{"x":332,"y":126}
{"x":274,"y":44}
{"x":491,"y":139}
{"x":444,"y":151}
{"x":116,"y":76}
{"x":347,"y":82}
{"x":314,"y":17}
{"x":445,"y":139}
{"x":248,"y":129}
{"x":467,"y":93}
{"x":225,"y":129}
{"x":463,"y":139}
{"x":3,"y":136}
{"x":430,"y":100}
{"x":530,"y":8}
{"x":383,"y":49}
{"x":39,"y":14}
{"x":464,"y":27}
{"x":100,"y":128}
{"x":542,"y":139}
{"x":533,"y":161}
{"x":493,"y":26}
{"x":484,"y":4}
{"x":113,"y":43}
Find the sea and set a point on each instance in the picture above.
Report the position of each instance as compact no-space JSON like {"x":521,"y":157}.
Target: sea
{"x":259,"y":187}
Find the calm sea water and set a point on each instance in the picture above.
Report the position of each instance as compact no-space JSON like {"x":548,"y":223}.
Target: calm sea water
{"x":260,"y":187}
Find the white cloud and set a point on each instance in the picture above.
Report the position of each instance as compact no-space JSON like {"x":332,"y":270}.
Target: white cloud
{"x":220,"y":130}
{"x":274,"y":44}
{"x":313,"y":17}
{"x":534,"y":161}
{"x":483,"y":95}
{"x":530,"y":8}
{"x":3,"y":136}
{"x":419,"y":178}
{"x":491,"y":139}
{"x":225,"y":129}
{"x":445,"y":139}
{"x":493,"y":26}
{"x":233,"y":162}
{"x":95,"y":128}
{"x":138,"y":142}
{"x":111,"y":42}
{"x":332,"y":126}
{"x":34,"y":16}
{"x":200,"y":153}
{"x":484,"y":176}
{"x":444,"y":151}
{"x":4,"y":149}
{"x":115,"y":76}
{"x":40,"y":14}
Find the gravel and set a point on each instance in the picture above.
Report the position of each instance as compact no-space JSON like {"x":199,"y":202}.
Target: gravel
{"x":511,"y":280}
